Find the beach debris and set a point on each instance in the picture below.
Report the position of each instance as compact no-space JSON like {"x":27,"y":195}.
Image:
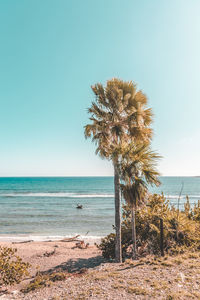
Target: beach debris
{"x":47,"y":254}
{"x":80,"y":206}
{"x":81,"y":245}
{"x":23,"y":242}
{"x":72,"y":239}
{"x":3,"y":291}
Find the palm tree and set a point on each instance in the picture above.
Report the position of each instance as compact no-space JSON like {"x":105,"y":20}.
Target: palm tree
{"x":134,"y":194}
{"x":118,"y":116}
{"x":138,"y":169}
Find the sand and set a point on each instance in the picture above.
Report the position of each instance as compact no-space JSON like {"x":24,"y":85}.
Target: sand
{"x":89,"y":276}
{"x":67,"y":257}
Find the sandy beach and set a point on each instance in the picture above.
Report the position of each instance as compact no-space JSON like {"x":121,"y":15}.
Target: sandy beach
{"x":52,"y":256}
{"x":89,"y":276}
{"x":66,"y":255}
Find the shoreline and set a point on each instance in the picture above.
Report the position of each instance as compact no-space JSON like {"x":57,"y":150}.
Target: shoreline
{"x":46,"y":238}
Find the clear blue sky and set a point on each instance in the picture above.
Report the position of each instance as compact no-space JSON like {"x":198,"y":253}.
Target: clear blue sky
{"x":53,"y":50}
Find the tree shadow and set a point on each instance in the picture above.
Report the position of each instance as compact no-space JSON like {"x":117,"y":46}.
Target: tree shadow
{"x":76,"y":265}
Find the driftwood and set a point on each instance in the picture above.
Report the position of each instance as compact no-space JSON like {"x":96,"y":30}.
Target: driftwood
{"x":72,"y":239}
{"x":3,"y":291}
{"x":23,"y":242}
{"x":47,"y":254}
{"x":81,"y":245}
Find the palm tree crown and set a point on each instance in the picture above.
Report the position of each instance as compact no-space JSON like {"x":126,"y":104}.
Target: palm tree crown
{"x":138,"y":169}
{"x":118,"y":115}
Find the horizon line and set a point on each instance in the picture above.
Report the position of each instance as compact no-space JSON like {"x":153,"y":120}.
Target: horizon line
{"x":78,"y":176}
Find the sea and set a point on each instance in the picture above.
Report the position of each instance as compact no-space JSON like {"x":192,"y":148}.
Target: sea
{"x":45,"y":208}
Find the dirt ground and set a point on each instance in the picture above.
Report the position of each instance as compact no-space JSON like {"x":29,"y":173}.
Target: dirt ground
{"x":88,"y":276}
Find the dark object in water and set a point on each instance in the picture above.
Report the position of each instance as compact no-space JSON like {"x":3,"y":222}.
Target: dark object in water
{"x":79,"y":206}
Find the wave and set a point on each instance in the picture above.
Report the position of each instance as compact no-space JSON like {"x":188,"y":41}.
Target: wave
{"x":41,"y":238}
{"x":79,"y":195}
{"x":59,"y":195}
{"x":174,"y":197}
{"x":182,"y":197}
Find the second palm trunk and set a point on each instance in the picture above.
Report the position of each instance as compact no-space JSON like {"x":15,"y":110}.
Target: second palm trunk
{"x":118,"y":247}
{"x":133,"y":232}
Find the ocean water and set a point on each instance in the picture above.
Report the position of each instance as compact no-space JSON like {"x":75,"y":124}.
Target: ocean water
{"x":45,"y":208}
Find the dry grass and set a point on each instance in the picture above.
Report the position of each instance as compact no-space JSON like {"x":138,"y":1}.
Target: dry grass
{"x":176,"y":277}
{"x":136,"y":290}
{"x":140,"y":279}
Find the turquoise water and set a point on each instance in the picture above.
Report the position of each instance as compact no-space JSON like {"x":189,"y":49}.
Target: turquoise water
{"x":41,"y":208}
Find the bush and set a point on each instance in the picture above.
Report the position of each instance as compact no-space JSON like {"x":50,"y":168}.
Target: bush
{"x":181,"y":228}
{"x":42,"y":280}
{"x":12,"y":268}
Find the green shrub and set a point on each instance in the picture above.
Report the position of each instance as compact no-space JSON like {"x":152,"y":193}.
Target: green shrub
{"x":38,"y":282}
{"x":196,"y":211}
{"x":43,"y":280}
{"x":12,"y":268}
{"x":181,"y":229}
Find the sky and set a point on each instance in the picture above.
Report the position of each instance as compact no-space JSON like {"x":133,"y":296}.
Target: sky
{"x":52,"y":51}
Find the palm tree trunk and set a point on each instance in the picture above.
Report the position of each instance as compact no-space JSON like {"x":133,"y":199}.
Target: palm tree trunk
{"x":133,"y":232}
{"x":118,"y":247}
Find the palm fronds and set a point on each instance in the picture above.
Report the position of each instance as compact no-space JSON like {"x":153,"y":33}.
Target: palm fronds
{"x":120,"y":111}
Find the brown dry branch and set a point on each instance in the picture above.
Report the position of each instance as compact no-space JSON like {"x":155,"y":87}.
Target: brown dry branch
{"x":23,"y":242}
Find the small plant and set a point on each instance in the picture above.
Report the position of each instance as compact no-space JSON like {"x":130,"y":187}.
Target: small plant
{"x":59,"y":276}
{"x":136,"y":290}
{"x":12,"y":268}
{"x":43,"y":280}
{"x":38,"y":282}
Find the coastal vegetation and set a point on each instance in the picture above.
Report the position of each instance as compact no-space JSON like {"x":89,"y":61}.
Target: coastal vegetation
{"x":12,"y":268}
{"x":148,"y":217}
{"x":138,"y":168}
{"x":119,"y":118}
{"x":41,"y":281}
